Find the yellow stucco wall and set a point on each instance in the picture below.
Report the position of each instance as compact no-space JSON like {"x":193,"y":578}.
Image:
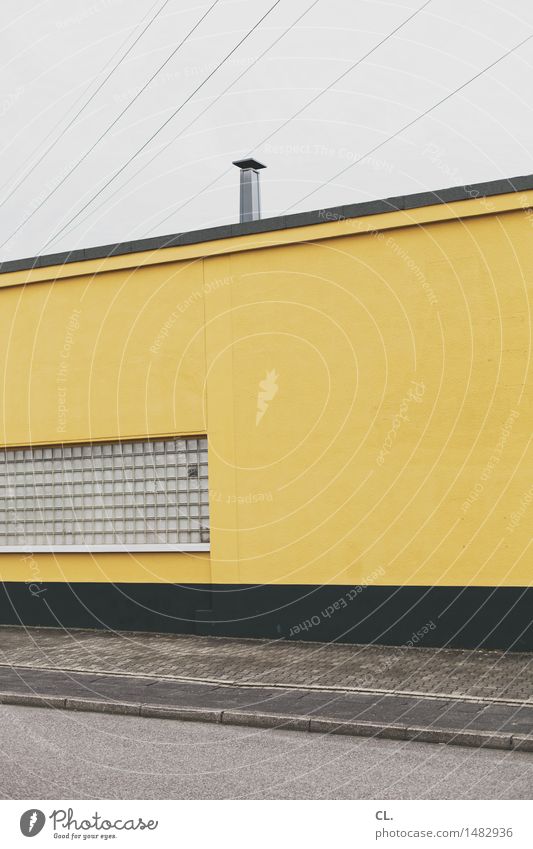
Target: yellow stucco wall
{"x":393,"y":355}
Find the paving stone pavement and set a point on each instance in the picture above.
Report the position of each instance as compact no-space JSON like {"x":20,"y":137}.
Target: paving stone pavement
{"x":487,"y":675}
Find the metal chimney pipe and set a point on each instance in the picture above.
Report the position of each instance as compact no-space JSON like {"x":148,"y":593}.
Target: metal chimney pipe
{"x":250,"y":197}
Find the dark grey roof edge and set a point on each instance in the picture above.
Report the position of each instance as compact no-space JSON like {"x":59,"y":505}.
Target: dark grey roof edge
{"x":265,"y":225}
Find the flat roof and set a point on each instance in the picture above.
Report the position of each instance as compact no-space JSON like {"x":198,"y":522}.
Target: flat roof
{"x":280,"y":222}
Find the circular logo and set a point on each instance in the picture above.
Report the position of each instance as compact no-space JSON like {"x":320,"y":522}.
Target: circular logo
{"x":32,"y":822}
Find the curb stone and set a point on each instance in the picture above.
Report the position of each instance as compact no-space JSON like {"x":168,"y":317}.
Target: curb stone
{"x":358,"y":729}
{"x":186,"y":714}
{"x":31,"y":700}
{"x":522,"y":742}
{"x":251,"y":719}
{"x":458,"y":737}
{"x":97,"y":706}
{"x":266,"y":720}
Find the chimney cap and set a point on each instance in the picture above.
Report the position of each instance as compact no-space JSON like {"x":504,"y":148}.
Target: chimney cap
{"x":244,"y":164}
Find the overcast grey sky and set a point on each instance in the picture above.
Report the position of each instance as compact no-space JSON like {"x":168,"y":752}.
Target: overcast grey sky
{"x":55,"y":53}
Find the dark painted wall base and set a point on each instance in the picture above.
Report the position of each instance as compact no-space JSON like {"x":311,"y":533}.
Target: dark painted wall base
{"x":466,"y":617}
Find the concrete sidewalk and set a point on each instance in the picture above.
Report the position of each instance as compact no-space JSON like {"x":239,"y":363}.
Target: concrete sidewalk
{"x":457,"y":697}
{"x":433,"y":720}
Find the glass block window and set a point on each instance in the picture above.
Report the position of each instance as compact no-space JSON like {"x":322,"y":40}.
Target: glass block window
{"x":150,"y":495}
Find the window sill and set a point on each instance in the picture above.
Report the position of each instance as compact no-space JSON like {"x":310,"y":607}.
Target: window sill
{"x":89,"y":549}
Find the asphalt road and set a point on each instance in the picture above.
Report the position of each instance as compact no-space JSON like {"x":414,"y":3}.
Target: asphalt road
{"x":48,"y":754}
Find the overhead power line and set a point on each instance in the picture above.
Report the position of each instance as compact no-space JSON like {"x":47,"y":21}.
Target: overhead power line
{"x":161,"y":127}
{"x":85,"y":105}
{"x":376,"y":147}
{"x":110,"y":127}
{"x":303,"y":108}
{"x":161,"y":150}
{"x":355,"y":162}
{"x":414,"y":121}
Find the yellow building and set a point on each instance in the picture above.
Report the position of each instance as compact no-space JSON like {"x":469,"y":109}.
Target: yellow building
{"x":316,"y":426}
